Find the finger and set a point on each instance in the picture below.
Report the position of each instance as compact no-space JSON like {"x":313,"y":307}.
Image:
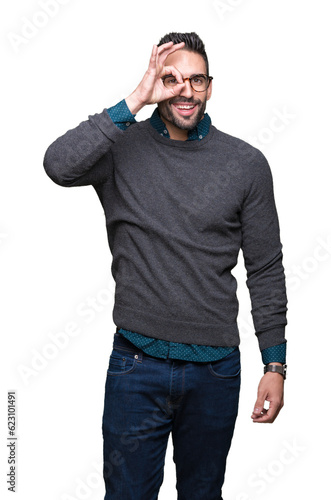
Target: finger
{"x":172,"y":70}
{"x":155,"y":57}
{"x":175,"y":47}
{"x":258,"y":407}
{"x":274,"y":409}
{"x":258,"y":413}
{"x":169,"y":50}
{"x":164,"y":46}
{"x":268,"y":416}
{"x":162,"y":51}
{"x":264,"y":418}
{"x":170,"y":46}
{"x":152,"y":61}
{"x":159,"y":54}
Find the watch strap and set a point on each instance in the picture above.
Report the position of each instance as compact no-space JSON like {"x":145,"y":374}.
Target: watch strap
{"x":276,"y":369}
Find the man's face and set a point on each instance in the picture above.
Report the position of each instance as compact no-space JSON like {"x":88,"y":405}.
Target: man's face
{"x":188,"y":64}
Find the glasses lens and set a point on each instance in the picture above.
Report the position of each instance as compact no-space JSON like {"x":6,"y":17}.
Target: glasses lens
{"x":199,"y":82}
{"x":170,"y":81}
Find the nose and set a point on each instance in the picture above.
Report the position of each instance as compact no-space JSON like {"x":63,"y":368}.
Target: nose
{"x":187,"y":90}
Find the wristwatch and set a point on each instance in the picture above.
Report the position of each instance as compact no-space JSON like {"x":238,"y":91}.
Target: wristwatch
{"x":276,"y":369}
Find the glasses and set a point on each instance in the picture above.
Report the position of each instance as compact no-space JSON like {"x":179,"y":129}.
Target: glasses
{"x":199,"y":83}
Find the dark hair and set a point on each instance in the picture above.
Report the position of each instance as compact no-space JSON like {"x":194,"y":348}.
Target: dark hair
{"x":193,"y":43}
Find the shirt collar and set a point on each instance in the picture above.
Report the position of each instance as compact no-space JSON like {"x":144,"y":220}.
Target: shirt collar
{"x":199,"y":132}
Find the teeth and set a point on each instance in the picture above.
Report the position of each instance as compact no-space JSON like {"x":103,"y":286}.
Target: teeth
{"x":185,"y":107}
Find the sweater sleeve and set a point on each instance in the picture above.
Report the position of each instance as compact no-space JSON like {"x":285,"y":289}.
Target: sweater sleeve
{"x":262,"y":251}
{"x":82,"y":156}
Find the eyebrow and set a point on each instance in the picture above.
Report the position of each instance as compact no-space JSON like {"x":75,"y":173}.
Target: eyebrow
{"x":194,"y":74}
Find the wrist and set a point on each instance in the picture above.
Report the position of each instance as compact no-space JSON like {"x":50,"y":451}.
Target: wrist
{"x":134,"y":103}
{"x":276,"y":367}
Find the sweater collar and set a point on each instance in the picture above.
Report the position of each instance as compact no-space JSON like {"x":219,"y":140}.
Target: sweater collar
{"x":199,"y":132}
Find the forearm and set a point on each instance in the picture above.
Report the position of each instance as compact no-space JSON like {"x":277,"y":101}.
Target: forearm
{"x":268,"y":298}
{"x":274,"y":354}
{"x":262,"y":250}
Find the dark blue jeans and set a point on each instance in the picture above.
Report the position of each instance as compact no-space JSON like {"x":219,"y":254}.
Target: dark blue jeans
{"x":146,"y":398}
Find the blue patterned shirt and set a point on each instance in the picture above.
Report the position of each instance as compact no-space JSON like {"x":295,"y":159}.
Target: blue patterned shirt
{"x":123,"y":118}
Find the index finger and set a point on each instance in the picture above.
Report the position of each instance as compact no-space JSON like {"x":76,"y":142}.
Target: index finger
{"x":170,"y":46}
{"x":165,"y":50}
{"x":268,"y":415}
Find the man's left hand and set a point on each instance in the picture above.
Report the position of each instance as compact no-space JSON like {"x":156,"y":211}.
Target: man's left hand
{"x":271,"y":388}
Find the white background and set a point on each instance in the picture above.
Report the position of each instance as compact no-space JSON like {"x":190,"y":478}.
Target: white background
{"x":268,"y":59}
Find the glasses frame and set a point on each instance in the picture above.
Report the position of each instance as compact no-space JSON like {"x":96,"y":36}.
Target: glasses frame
{"x":191,"y":78}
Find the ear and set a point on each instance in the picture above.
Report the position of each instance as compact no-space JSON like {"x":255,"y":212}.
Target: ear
{"x":209,"y":90}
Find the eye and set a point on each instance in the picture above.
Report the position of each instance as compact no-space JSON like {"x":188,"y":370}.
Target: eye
{"x":198,"y":80}
{"x":170,"y":80}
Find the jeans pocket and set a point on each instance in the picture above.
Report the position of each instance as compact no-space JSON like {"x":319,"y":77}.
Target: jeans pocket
{"x":121,"y":363}
{"x":228,"y":367}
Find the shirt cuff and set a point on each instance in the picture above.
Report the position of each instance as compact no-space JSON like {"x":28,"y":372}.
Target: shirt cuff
{"x":274,"y":354}
{"x":121,"y":115}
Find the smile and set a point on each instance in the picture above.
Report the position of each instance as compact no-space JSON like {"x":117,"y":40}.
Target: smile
{"x":185,"y":109}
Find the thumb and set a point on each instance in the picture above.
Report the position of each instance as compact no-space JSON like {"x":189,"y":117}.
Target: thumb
{"x":259,"y":404}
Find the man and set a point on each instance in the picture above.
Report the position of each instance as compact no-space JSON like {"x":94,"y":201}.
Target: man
{"x":180,"y":199}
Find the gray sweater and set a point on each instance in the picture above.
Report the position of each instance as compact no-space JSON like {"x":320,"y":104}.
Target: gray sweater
{"x":177,"y":214}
